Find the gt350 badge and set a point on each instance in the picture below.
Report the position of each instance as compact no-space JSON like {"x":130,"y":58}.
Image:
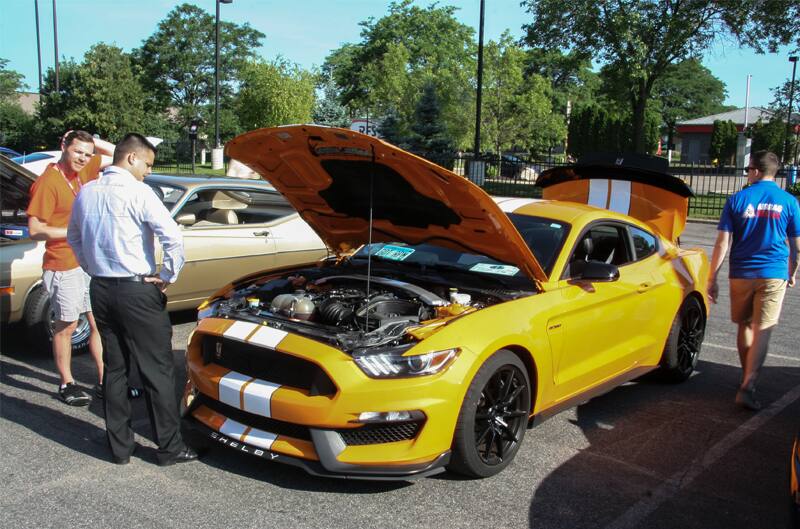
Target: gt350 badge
{"x":243,"y":447}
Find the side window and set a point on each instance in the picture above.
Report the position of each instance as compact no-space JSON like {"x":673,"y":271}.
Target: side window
{"x":603,"y":242}
{"x":214,"y":207}
{"x":643,"y":243}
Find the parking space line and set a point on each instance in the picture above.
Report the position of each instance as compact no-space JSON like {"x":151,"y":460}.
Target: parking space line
{"x":769,"y":355}
{"x":637,"y":513}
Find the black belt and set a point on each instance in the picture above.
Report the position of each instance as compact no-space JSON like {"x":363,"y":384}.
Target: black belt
{"x":124,"y":279}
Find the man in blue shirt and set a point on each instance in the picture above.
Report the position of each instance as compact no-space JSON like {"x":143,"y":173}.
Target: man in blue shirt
{"x":764,"y":222}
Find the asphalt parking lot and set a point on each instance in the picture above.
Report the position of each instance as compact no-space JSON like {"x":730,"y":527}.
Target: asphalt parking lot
{"x":644,"y":455}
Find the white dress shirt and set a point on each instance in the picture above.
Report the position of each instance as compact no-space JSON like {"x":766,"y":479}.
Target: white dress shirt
{"x":111,"y":229}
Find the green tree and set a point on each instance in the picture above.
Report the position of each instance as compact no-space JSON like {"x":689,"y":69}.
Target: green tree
{"x":16,"y":127}
{"x":398,"y":54}
{"x":328,"y":110}
{"x":723,"y":142}
{"x":570,"y":74}
{"x":640,"y":39}
{"x":102,"y":94}
{"x":517,"y":110}
{"x":10,"y":81}
{"x":767,"y":135}
{"x":428,"y":132}
{"x":391,"y":130}
{"x":274,"y":93}
{"x":178,"y":59}
{"x":688,"y":90}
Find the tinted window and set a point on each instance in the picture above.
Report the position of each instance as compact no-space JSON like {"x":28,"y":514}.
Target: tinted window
{"x":543,"y":236}
{"x":644,"y":243}
{"x":604,"y":243}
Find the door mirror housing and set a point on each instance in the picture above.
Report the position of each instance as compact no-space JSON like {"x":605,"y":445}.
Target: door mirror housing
{"x":598,"y":271}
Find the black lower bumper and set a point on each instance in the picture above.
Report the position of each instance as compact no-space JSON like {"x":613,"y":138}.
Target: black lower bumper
{"x":343,"y":471}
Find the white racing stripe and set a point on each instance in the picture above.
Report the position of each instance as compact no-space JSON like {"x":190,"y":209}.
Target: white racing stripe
{"x":232,"y":429}
{"x":239,"y":330}
{"x":620,"y":196}
{"x":260,"y":438}
{"x":268,"y":337}
{"x":230,"y":388}
{"x":598,"y":193}
{"x":257,"y":396}
{"x":512,"y":204}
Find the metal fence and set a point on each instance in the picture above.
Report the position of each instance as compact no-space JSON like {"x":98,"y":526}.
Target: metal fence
{"x":176,"y":158}
{"x":513,"y":175}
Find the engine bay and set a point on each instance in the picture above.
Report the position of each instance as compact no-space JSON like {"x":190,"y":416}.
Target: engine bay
{"x":351,"y":311}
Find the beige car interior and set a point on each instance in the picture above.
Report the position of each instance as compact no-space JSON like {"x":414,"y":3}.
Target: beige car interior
{"x":234,"y":207}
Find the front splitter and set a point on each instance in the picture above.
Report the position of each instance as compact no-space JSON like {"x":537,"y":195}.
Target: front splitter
{"x":362,"y":472}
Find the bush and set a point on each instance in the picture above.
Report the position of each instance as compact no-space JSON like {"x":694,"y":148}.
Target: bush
{"x":794,"y":189}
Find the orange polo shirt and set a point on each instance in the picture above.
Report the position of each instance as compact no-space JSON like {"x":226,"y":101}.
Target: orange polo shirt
{"x":52,"y":196}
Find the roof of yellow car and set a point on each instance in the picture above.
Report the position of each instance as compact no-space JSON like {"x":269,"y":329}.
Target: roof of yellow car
{"x":568,"y":212}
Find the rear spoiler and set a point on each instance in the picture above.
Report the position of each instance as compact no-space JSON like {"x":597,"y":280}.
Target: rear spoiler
{"x":634,"y":185}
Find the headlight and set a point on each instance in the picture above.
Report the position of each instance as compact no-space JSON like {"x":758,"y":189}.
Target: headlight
{"x":390,"y":362}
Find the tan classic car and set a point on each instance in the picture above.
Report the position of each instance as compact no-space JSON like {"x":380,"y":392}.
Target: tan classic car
{"x":231,"y":227}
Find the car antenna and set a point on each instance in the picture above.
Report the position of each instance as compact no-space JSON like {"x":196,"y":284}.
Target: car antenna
{"x":369,"y":239}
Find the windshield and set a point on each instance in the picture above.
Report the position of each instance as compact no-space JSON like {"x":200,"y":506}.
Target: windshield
{"x":35,"y":157}
{"x":544,"y":236}
{"x":168,"y":194}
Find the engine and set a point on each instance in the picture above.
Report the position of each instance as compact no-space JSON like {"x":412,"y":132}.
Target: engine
{"x":348,"y":310}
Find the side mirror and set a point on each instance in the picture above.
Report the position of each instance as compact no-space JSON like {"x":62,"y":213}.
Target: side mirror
{"x":186,"y":219}
{"x":599,"y":271}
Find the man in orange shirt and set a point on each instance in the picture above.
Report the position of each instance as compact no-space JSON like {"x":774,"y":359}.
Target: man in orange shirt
{"x":67,"y":284}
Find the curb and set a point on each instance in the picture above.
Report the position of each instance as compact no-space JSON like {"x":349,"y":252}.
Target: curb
{"x":703,"y":221}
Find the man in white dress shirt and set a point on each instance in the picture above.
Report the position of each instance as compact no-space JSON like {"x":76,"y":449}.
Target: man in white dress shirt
{"x":111,"y":230}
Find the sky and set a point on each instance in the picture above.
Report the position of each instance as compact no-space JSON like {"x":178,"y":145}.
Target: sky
{"x":304,"y":32}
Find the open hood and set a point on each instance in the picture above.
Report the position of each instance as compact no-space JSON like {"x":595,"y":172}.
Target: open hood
{"x":16,"y":185}
{"x":330,"y":174}
{"x":635,"y":185}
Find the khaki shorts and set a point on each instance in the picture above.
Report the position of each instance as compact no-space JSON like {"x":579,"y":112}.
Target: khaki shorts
{"x":757,"y":300}
{"x":69,"y":293}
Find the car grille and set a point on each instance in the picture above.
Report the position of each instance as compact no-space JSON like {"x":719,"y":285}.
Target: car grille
{"x":256,"y":421}
{"x":380,"y":433}
{"x":267,"y":364}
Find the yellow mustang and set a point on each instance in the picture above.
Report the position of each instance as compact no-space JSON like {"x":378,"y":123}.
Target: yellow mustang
{"x":449,"y":321}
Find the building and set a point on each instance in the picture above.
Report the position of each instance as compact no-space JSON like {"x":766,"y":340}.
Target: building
{"x":695,"y":134}
{"x":28,"y":101}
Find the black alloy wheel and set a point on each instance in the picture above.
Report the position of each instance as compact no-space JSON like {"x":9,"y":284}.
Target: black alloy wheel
{"x":690,"y":336}
{"x":493,"y":418}
{"x":685,"y":339}
{"x":501,"y":415}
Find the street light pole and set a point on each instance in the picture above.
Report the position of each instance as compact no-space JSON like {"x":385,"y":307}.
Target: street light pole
{"x":38,"y":43}
{"x":216,"y":154}
{"x":55,"y":42}
{"x":477,"y":146}
{"x":793,"y":60}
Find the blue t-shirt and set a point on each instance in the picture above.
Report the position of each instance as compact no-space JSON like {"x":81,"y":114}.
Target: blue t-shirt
{"x":760,"y":217}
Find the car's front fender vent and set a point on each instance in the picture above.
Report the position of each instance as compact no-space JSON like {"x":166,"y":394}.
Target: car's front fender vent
{"x":380,"y":433}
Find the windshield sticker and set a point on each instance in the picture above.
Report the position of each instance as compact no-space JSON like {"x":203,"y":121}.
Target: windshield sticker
{"x":554,"y":225}
{"x":394,"y":253}
{"x":502,"y":270}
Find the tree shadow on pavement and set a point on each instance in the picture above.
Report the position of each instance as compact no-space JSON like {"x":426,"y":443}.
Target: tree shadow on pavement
{"x":651,"y":456}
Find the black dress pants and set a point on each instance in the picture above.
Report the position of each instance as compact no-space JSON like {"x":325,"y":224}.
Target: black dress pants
{"x":134,"y":325}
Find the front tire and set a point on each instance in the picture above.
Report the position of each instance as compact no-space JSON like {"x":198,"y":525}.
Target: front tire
{"x":39,"y":321}
{"x":684,"y":341}
{"x":493,"y":417}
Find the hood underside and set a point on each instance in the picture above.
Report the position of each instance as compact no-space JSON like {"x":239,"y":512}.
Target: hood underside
{"x":338,"y":179}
